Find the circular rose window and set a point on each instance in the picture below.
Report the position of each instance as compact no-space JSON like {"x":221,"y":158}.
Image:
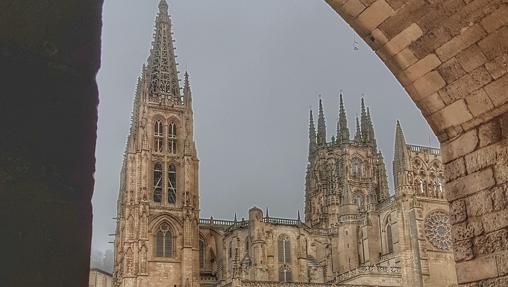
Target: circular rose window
{"x":438,"y":230}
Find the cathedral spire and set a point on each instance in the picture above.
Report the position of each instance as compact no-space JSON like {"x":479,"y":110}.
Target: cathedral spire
{"x":321,"y":133}
{"x":358,"y":134}
{"x":162,"y":72}
{"x":342,"y":129}
{"x":187,"y":94}
{"x":312,"y":135}
{"x":364,"y":123}
{"x":399,"y":156}
{"x":372,"y":137}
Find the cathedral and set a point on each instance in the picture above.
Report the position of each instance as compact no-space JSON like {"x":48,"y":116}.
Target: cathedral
{"x":354,"y":232}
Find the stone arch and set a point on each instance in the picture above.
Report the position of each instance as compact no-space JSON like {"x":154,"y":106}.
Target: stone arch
{"x":451,"y":58}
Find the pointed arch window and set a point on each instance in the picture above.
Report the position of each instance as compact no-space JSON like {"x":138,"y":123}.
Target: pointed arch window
{"x":389,"y":238}
{"x":157,"y":182}
{"x":201,"y":254}
{"x":172,"y":138}
{"x":284,"y":249}
{"x":172,"y":184}
{"x":164,"y":241}
{"x":158,"y":136}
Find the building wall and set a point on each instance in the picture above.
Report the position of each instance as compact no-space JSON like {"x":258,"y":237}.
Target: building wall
{"x":98,"y":278}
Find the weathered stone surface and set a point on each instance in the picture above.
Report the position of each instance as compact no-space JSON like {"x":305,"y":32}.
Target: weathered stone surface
{"x":403,"y":39}
{"x":427,"y":85}
{"x":468,"y":37}
{"x":495,"y":220}
{"x":497,"y":91}
{"x":467,"y":230}
{"x":460,"y":146}
{"x":502,"y":263}
{"x":489,"y":133}
{"x":451,"y":115}
{"x":374,"y":15}
{"x":451,"y":70}
{"x":471,"y":58}
{"x":477,"y":269}
{"x":470,"y":184}
{"x":467,"y":84}
{"x":496,"y":44}
{"x":481,"y":158}
{"x":463,"y":250}
{"x":491,"y":242}
{"x":455,"y":169}
{"x":479,"y":203}
{"x":353,"y":7}
{"x":458,"y":211}
{"x":432,"y":104}
{"x":405,"y":58}
{"x":498,"y":67}
{"x":478,"y":102}
{"x":422,"y":67}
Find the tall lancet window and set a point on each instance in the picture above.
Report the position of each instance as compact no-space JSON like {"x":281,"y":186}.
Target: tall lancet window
{"x":284,"y":254}
{"x":171,"y":184}
{"x":172,"y":138}
{"x":157,"y":182}
{"x":164,"y":241}
{"x":201,"y":254}
{"x":158,"y":136}
{"x":356,"y":167}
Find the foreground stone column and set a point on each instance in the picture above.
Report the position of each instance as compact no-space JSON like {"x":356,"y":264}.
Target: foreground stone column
{"x":49,"y":56}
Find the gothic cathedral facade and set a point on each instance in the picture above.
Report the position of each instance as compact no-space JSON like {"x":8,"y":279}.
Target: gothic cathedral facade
{"x":355,"y":232}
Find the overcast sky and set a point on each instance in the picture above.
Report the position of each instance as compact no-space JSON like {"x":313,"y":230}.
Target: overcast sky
{"x":255,"y":69}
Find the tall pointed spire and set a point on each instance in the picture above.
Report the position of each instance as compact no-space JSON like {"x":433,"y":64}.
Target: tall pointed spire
{"x":342,"y":129}
{"x":162,"y":72}
{"x":358,"y":134}
{"x":187,"y":90}
{"x":399,"y":156}
{"x":364,"y":123}
{"x":372,"y":137}
{"x":312,"y":135}
{"x":321,"y":132}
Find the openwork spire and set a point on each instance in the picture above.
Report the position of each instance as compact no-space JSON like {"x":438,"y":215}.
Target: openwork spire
{"x":161,"y":71}
{"x":358,"y":134}
{"x":312,"y":135}
{"x":372,"y":137}
{"x":364,"y":123}
{"x":342,"y":129}
{"x":321,"y":133}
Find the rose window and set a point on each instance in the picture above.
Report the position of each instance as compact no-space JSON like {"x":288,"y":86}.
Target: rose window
{"x":438,"y":230}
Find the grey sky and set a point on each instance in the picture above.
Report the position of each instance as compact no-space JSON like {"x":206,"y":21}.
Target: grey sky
{"x":255,"y":68}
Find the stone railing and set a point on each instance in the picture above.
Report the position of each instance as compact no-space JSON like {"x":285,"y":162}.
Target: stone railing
{"x":291,"y":284}
{"x":367,"y":270}
{"x":417,"y":148}
{"x":281,"y":221}
{"x":216,"y":222}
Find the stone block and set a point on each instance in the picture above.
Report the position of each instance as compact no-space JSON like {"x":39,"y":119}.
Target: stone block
{"x":496,"y":44}
{"x":463,"y":250}
{"x":498,"y":67}
{"x":489,"y":133}
{"x":481,"y":158}
{"x":479,"y":204}
{"x":468,"y":83}
{"x":404,"y":18}
{"x":495,"y":220}
{"x":475,"y":270}
{"x":452,"y":115}
{"x":379,"y":37}
{"x":458,"y":211}
{"x":455,"y":169}
{"x":451,"y":70}
{"x":465,"y":39}
{"x":467,"y":229}
{"x":353,"y":8}
{"x":374,"y":15}
{"x":496,"y":241}
{"x":432,"y":104}
{"x":422,"y":67}
{"x":396,"y":4}
{"x":479,"y":102}
{"x":498,"y":91}
{"x":500,"y":197}
{"x":470,"y":184}
{"x":427,"y":85}
{"x":405,"y":58}
{"x":502,"y":263}
{"x":403,"y":39}
{"x":430,"y":41}
{"x":504,"y":125}
{"x":460,"y":146}
{"x":495,"y":20}
{"x":471,"y":58}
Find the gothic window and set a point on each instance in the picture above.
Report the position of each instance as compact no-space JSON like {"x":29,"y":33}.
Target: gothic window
{"x":158,"y":138}
{"x":438,"y":230}
{"x":230,"y":252}
{"x":171,"y":184}
{"x":356,"y":167}
{"x":389,"y":239}
{"x":285,"y":274}
{"x":172,"y":138}
{"x":201,"y":254}
{"x":157,"y":182}
{"x":284,"y":249}
{"x":163,"y":241}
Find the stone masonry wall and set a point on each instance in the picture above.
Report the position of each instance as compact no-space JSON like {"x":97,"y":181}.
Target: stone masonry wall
{"x":451,"y":56}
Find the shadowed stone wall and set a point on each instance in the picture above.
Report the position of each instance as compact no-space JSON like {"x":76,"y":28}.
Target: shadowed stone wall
{"x":49,"y":56}
{"x":451,"y":56}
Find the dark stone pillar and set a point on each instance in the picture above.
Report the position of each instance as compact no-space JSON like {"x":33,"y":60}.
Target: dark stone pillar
{"x":49,"y":56}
